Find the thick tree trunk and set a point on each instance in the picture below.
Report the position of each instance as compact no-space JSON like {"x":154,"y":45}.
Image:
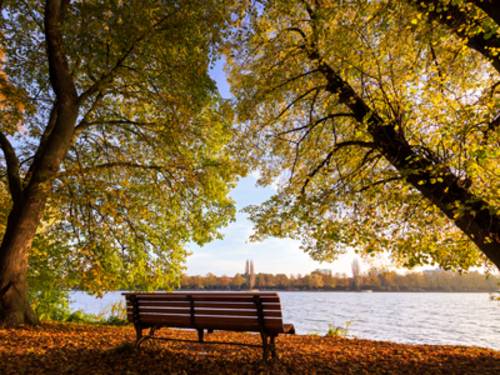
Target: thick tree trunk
{"x":22,"y":224}
{"x":436,"y":182}
{"x":23,"y":220}
{"x":30,"y":201}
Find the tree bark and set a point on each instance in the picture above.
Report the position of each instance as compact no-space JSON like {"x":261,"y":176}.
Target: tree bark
{"x":21,"y":228}
{"x":28,"y":205}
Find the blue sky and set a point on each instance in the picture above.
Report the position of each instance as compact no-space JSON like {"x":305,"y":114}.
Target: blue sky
{"x":273,"y":255}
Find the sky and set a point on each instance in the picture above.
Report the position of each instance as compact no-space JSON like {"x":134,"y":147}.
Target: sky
{"x":273,"y":255}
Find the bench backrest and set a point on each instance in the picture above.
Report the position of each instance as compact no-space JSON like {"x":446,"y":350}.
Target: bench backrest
{"x":236,"y":311}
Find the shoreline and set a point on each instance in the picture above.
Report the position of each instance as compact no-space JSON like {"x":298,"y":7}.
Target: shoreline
{"x":331,"y":291}
{"x":299,"y":291}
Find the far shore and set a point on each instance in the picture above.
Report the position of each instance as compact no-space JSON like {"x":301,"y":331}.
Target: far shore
{"x":339,"y":291}
{"x":308,"y":291}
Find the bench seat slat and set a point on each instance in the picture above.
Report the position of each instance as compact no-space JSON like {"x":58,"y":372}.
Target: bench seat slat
{"x":202,"y":321}
{"x":200,"y":295}
{"x":205,"y":311}
{"x":239,"y":305}
{"x":265,"y":305}
{"x":208,"y":299}
{"x":178,"y":304}
{"x":267,"y":313}
{"x":174,"y":316}
{"x":205,"y":298}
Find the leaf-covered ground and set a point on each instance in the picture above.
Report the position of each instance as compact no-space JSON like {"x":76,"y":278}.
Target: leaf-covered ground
{"x":95,"y":349}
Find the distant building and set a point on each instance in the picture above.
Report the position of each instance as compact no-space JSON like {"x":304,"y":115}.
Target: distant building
{"x":249,"y":274}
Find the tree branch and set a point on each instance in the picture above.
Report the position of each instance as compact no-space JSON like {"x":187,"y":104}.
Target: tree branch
{"x":297,"y":99}
{"x":58,"y":134}
{"x":59,"y":71}
{"x":115,"y":164}
{"x":379,"y":182}
{"x":107,"y":77}
{"x":291,"y":79}
{"x":315,"y":123}
{"x":13,"y":167}
{"x":328,"y":157}
{"x":87,"y":124}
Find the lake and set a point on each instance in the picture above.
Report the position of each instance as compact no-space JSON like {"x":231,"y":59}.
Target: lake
{"x":426,"y":318}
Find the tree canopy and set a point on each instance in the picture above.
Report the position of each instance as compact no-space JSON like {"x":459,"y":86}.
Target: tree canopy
{"x":147,"y":166}
{"x":379,"y":120}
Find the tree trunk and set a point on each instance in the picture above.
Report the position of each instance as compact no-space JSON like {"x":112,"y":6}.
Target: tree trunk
{"x":29,"y":203}
{"x":23,"y":220}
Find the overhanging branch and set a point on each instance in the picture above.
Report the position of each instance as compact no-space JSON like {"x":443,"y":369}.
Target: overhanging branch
{"x":317,"y":122}
{"x":329,"y":156}
{"x":379,"y":182}
{"x":297,"y":99}
{"x":13,"y":167}
{"x":60,"y":75}
{"x":119,"y":164}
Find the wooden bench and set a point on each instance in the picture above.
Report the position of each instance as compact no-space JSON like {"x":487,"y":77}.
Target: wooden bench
{"x":208,"y":311}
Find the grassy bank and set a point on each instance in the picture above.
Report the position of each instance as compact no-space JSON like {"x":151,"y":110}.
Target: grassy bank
{"x":100,"y":349}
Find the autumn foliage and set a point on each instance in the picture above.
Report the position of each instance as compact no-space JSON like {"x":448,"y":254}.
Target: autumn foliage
{"x":97,"y":349}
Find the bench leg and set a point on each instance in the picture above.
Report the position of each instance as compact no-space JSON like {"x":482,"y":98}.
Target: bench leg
{"x":272,"y":346}
{"x":138,"y":335}
{"x":200,"y":335}
{"x":265,"y":346}
{"x":138,"y":331}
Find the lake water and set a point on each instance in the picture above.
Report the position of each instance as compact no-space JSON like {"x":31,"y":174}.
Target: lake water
{"x":428,"y":318}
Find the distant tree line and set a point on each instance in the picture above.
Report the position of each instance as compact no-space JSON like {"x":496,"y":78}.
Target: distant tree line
{"x":374,"y":279}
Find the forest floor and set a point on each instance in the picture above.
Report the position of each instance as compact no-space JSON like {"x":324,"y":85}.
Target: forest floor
{"x":100,"y":349}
